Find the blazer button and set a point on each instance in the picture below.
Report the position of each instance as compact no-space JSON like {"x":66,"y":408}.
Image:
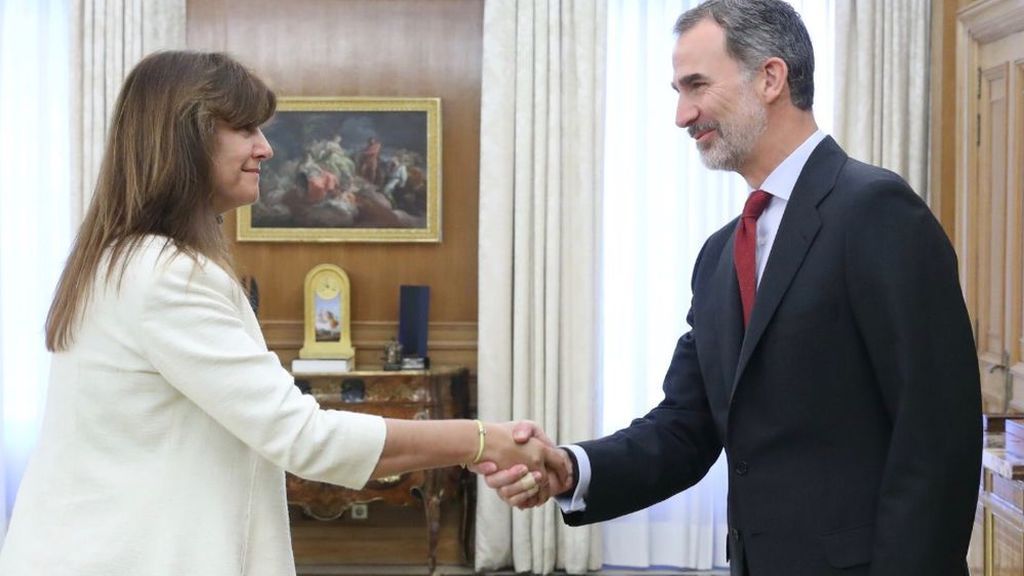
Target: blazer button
{"x":741,"y":468}
{"x":734,"y":533}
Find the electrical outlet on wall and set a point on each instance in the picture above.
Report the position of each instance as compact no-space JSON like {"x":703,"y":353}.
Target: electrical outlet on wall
{"x":359,"y":512}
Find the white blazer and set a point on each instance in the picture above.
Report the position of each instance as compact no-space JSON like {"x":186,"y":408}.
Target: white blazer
{"x":168,"y":426}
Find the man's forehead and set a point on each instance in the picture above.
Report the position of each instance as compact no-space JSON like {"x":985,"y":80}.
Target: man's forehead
{"x":699,"y":48}
{"x":705,"y":39}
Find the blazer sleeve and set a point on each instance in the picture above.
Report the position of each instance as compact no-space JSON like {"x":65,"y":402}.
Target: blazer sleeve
{"x":666,"y":451}
{"x":191,"y":330}
{"x":906,"y":299}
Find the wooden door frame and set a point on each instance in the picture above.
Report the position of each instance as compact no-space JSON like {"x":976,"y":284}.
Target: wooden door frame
{"x":980,"y":23}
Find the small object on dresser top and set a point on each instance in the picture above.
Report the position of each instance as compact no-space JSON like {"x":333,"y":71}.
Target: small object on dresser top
{"x":393,"y":355}
{"x":252,"y":291}
{"x":415,"y":363}
{"x":305,"y":366}
{"x":996,"y":423}
{"x":1015,"y":437}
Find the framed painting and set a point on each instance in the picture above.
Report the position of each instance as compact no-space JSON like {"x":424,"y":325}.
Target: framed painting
{"x":349,"y":170}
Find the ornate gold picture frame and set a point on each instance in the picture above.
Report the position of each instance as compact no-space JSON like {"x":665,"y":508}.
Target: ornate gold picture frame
{"x":349,"y":170}
{"x":328,"y":314}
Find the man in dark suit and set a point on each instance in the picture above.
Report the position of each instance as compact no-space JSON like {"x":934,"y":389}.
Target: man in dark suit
{"x":830,"y":352}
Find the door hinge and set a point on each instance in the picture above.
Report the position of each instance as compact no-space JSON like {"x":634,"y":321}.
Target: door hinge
{"x":978,"y":95}
{"x":1007,"y":382}
{"x":977,"y":125}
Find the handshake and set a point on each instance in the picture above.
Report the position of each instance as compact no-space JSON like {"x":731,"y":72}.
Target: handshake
{"x":523,"y":465}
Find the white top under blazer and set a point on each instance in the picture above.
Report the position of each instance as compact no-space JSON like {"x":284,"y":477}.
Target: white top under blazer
{"x":167,"y":431}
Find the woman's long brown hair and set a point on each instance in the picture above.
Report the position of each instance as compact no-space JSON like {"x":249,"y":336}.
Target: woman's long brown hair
{"x":155,"y":177}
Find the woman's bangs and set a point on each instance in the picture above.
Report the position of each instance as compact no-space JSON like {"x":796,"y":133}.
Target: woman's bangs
{"x":247,"y":102}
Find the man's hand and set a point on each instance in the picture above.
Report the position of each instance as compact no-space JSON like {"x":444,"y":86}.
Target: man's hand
{"x":513,"y":484}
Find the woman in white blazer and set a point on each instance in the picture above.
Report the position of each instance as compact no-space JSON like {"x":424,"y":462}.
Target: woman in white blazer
{"x":168,"y":423}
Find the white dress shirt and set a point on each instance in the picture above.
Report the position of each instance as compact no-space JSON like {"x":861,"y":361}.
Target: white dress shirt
{"x":780,"y":185}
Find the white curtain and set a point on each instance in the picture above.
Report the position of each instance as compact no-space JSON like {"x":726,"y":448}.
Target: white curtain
{"x":883,"y":60}
{"x":61,"y":65}
{"x":34,"y":216}
{"x":660,"y":205}
{"x":540,"y":187}
{"x":108,"y":38}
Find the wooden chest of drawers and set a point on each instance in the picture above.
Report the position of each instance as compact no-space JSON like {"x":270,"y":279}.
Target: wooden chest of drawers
{"x":997,"y":545}
{"x":424,"y":394}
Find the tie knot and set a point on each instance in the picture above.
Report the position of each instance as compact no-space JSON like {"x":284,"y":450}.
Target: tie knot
{"x":756,"y":203}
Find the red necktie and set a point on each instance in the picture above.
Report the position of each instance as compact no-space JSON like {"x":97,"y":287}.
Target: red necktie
{"x":745,"y":249}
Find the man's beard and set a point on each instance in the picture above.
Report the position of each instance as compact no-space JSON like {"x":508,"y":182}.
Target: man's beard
{"x":736,"y":136}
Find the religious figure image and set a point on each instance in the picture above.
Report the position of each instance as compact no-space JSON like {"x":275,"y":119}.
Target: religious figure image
{"x":328,"y":319}
{"x":344,"y":170}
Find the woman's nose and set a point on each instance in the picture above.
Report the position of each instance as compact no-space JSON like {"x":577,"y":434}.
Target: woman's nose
{"x":263,"y":149}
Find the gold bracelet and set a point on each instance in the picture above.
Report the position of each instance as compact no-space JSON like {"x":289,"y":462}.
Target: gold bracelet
{"x":482,"y":434}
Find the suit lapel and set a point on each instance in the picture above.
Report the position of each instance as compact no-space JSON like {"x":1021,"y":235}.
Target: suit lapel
{"x":729,"y":312}
{"x":796,"y":234}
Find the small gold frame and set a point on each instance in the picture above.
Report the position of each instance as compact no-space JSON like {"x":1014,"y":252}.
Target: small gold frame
{"x":328,"y":314}
{"x":301,"y":202}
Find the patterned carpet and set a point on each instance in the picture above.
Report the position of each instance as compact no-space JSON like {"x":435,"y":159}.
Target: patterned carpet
{"x":462,"y":571}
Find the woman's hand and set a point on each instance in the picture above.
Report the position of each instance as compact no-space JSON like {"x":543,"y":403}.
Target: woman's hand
{"x":503,"y":449}
{"x":528,"y":483}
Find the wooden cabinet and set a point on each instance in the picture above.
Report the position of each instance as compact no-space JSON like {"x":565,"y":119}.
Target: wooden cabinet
{"x":427,"y":394}
{"x":997,"y":546}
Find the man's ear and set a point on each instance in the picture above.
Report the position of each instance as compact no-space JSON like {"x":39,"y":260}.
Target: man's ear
{"x":775,"y":77}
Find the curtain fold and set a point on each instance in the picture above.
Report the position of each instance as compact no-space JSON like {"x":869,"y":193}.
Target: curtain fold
{"x":108,"y":38}
{"x":661,"y":203}
{"x":883,"y":61}
{"x":541,"y":153}
{"x":62,"y":63}
{"x":660,"y":206}
{"x":34,"y":216}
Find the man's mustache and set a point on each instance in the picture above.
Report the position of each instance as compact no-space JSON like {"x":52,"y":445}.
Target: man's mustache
{"x":696,"y":129}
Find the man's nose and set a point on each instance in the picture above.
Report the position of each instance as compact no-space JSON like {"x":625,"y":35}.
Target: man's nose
{"x":686,"y":112}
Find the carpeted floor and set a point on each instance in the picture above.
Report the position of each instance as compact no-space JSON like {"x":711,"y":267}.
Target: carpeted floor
{"x":462,"y":570}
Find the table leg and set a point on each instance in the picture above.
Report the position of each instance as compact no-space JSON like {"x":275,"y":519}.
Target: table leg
{"x":432,"y":509}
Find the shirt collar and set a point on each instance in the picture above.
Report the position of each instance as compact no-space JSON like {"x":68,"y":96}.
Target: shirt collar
{"x":781,"y":181}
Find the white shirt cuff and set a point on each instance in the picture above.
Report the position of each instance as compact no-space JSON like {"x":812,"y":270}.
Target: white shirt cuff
{"x":577,"y":502}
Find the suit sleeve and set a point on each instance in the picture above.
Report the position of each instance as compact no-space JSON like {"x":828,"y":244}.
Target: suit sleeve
{"x":905,"y":294}
{"x":191,"y":331}
{"x":666,"y":451}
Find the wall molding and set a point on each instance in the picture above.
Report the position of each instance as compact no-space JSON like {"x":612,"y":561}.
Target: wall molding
{"x":989,"y":20}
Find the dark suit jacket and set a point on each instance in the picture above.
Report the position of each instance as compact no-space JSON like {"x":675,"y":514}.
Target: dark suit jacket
{"x":850,"y":410}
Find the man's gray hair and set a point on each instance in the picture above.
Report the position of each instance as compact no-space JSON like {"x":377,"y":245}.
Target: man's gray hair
{"x":756,"y":30}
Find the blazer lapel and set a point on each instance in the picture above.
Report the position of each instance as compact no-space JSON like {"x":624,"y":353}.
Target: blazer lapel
{"x":799,"y":226}
{"x":729,"y":313}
